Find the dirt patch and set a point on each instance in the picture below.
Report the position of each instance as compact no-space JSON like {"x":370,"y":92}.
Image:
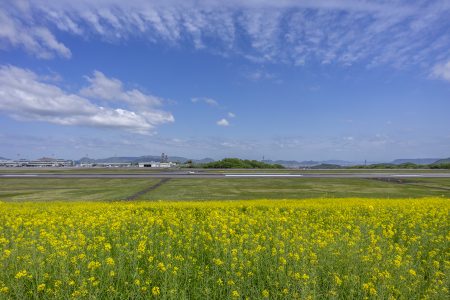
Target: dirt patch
{"x":146,"y":190}
{"x":391,"y":180}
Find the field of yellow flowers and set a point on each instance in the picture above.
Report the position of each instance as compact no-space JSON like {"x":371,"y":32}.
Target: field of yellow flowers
{"x":305,"y":249}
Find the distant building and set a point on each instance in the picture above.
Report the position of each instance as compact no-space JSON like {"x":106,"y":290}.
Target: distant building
{"x":105,"y":164}
{"x":86,"y":165}
{"x":113,"y":165}
{"x":39,"y":163}
{"x":8,"y":163}
{"x":50,"y":162}
{"x":167,"y":164}
{"x":164,"y":158}
{"x":156,"y":164}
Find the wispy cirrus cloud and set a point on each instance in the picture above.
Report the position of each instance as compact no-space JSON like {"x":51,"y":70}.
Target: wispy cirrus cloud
{"x":441,"y":71}
{"x":37,"y":40}
{"x":258,"y":75}
{"x":24,"y":95}
{"x":397,"y":33}
{"x":206,"y":100}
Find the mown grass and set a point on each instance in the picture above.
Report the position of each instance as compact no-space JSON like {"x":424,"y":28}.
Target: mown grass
{"x":263,"y":249}
{"x":106,"y":189}
{"x":136,"y":170}
{"x":294,"y":188}
{"x":70,"y":189}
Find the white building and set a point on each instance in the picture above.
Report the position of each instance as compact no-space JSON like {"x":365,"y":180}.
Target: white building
{"x":156,"y":164}
{"x":42,"y":162}
{"x":49,"y":162}
{"x":113,"y":165}
{"x":8,"y":163}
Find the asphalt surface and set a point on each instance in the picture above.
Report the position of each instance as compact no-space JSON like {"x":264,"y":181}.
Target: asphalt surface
{"x":185,"y":174}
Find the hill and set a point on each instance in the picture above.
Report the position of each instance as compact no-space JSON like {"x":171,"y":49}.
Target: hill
{"x":441,"y":164}
{"x":326,"y":166}
{"x":417,"y":161}
{"x":442,"y":161}
{"x":292,"y":163}
{"x":309,"y":163}
{"x":236,"y":163}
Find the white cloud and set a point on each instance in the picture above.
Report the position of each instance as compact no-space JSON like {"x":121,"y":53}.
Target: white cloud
{"x":231,"y":115}
{"x":102,"y":87}
{"x":442,"y":71}
{"x":223,"y":122}
{"x":258,"y":75}
{"x":206,"y":100}
{"x":399,"y":33}
{"x":37,"y":40}
{"x":25,"y":96}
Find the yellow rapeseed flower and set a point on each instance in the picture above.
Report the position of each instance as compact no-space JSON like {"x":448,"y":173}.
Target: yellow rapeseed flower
{"x":212,"y":249}
{"x":156,"y":291}
{"x":110,"y":261}
{"x":21,"y":274}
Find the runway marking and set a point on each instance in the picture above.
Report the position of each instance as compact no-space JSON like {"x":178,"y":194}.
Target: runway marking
{"x":263,"y":175}
{"x":20,"y":175}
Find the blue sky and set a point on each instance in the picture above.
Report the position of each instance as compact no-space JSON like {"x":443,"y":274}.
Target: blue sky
{"x":301,"y":80}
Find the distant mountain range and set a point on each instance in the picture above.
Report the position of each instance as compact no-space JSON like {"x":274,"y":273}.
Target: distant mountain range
{"x":285,"y":163}
{"x":442,"y":161}
{"x":312,"y":163}
{"x":344,"y":163}
{"x":417,"y":161}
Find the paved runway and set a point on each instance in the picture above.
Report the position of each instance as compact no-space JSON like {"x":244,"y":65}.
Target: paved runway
{"x":226,"y":175}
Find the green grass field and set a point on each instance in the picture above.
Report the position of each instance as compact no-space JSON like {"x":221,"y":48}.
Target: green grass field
{"x":103,"y":189}
{"x":294,"y":188}
{"x":70,"y":189}
{"x":137,"y":170}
